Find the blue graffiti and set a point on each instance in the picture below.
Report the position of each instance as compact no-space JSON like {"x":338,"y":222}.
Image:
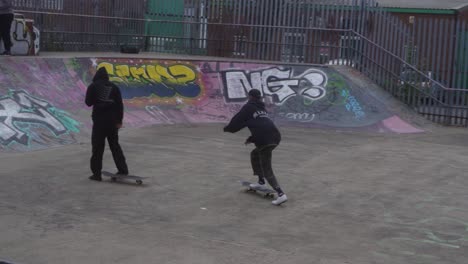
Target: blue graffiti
{"x":162,"y":90}
{"x":352,"y":105}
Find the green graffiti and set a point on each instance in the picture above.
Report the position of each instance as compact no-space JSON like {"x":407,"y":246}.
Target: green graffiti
{"x":337,"y":92}
{"x":64,"y":118}
{"x":26,"y":119}
{"x":308,"y":101}
{"x":76,"y":65}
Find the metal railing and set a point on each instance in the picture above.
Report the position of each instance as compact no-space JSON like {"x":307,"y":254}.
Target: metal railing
{"x":417,"y":89}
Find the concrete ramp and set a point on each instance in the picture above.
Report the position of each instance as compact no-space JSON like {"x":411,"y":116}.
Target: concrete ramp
{"x":42,"y":99}
{"x":40,"y":103}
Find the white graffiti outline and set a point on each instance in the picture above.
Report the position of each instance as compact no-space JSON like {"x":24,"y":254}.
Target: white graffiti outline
{"x":21,"y":107}
{"x":274,"y":82}
{"x":158,"y":114}
{"x":299,"y":117}
{"x":317,"y":80}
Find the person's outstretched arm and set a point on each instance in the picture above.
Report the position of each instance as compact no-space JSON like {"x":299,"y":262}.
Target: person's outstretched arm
{"x":239,"y":121}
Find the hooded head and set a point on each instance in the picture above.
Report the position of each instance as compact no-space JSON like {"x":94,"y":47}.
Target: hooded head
{"x":255,"y":94}
{"x":101,"y":75}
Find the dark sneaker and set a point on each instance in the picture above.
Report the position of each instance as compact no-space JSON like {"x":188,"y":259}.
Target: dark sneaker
{"x":121,"y":173}
{"x":95,"y":178}
{"x":6,"y":53}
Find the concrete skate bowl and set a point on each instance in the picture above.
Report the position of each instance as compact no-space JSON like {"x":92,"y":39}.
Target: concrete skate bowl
{"x":42,"y":99}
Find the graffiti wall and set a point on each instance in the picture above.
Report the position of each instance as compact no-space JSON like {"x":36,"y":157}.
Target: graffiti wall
{"x":159,"y":80}
{"x":303,"y":95}
{"x":41,"y":103}
{"x":26,"y":120}
{"x":42,"y":99}
{"x":199,"y":91}
{"x":165,"y":91}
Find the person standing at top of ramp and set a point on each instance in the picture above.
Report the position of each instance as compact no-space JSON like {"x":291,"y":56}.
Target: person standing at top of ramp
{"x":108,"y":113}
{"x":266,"y":138}
{"x":6,"y":18}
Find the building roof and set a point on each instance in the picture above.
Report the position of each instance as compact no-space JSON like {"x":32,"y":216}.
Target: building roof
{"x":424,"y":4}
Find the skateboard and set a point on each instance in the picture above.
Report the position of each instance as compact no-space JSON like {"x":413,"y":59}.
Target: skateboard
{"x":267,"y":193}
{"x":114,"y":177}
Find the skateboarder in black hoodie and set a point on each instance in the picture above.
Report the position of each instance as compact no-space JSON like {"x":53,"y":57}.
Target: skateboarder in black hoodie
{"x":266,"y":138}
{"x":108,"y":111}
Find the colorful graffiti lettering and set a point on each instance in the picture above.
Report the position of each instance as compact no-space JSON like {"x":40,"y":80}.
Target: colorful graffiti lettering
{"x":155,"y":80}
{"x":20,"y":111}
{"x":280,"y":84}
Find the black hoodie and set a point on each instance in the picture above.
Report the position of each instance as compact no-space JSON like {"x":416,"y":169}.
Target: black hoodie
{"x":254,"y":116}
{"x":106,"y":99}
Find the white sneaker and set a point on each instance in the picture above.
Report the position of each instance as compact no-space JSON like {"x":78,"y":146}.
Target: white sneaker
{"x":257,"y":186}
{"x":281,"y":199}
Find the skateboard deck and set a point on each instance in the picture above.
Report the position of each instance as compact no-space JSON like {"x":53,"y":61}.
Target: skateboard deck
{"x":267,"y":193}
{"x":115,"y":177}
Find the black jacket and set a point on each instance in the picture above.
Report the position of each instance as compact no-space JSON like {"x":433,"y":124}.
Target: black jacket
{"x":106,"y":99}
{"x":254,"y":116}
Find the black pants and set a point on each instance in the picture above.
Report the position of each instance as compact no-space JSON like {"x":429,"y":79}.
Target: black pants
{"x":98,"y":141}
{"x":261,"y":165}
{"x":5,"y":25}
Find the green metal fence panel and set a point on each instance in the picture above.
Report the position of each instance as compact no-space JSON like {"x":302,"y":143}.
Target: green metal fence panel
{"x":461,"y":60}
{"x":164,"y":31}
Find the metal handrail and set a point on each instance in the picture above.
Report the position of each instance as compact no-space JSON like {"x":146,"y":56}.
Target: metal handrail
{"x":407,"y":64}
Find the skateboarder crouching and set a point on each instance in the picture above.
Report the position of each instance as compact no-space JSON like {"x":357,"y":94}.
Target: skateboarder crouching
{"x":266,"y":138}
{"x":108,"y":112}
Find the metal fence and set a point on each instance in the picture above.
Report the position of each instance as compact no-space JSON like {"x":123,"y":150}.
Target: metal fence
{"x":86,"y":25}
{"x":418,"y":61}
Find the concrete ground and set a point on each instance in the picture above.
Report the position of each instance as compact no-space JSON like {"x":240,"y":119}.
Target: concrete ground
{"x":355,"y":198}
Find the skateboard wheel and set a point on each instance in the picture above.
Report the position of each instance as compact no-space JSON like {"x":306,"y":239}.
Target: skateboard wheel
{"x":139,"y":182}
{"x":114,"y":179}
